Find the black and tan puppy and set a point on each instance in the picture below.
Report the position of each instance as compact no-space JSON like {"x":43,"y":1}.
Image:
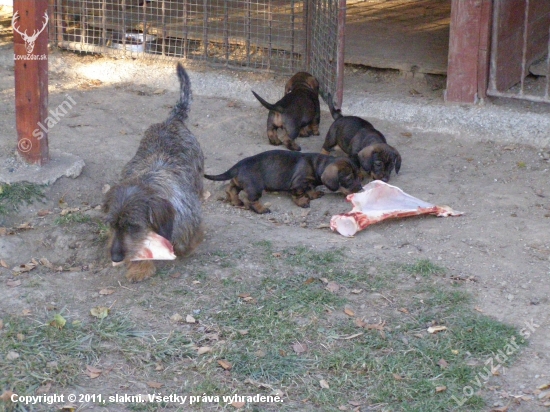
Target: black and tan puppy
{"x":297,"y":173}
{"x":298,"y":113}
{"x":160,"y":191}
{"x":363,"y":143}
{"x":302,"y":79}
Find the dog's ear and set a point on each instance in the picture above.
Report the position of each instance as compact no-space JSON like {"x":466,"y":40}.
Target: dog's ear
{"x":329,"y":177}
{"x":366,"y":157}
{"x":397,"y":160}
{"x":161,"y":216}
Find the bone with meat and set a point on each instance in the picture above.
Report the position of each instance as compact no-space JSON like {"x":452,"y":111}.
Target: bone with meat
{"x":379,"y":201}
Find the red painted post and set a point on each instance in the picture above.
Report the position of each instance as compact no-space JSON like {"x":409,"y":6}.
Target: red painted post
{"x":468,"y":50}
{"x":30,"y":44}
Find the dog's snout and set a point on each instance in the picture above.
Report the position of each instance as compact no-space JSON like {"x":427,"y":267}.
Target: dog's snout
{"x":117,"y":252}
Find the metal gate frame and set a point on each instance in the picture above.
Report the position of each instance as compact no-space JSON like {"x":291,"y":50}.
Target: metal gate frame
{"x":233,"y":33}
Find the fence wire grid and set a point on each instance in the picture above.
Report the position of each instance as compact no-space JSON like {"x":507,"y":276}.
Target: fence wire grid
{"x":284,"y":36}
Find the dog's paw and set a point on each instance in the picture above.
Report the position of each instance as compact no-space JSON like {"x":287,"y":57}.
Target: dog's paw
{"x":259,"y":208}
{"x":315,"y":194}
{"x":138,"y":271}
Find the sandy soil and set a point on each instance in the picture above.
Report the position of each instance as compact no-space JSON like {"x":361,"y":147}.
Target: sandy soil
{"x":502,"y":240}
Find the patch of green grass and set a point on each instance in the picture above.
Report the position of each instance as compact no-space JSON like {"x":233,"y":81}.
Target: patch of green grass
{"x":424,"y":267}
{"x":12,"y":196}
{"x":400,"y":366}
{"x":72,"y":218}
{"x":41,"y":353}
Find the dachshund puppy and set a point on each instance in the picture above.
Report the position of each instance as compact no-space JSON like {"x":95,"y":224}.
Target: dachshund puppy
{"x":302,"y":79}
{"x":298,"y":113}
{"x":297,"y":173}
{"x":363,"y":143}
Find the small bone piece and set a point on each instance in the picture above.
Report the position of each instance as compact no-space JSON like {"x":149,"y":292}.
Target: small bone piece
{"x":155,"y":247}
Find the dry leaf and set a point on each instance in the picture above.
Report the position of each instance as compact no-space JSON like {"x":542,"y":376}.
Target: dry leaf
{"x":100,"y":312}
{"x":105,"y":188}
{"x":43,"y":212}
{"x":436,"y":329}
{"x":159,"y":367}
{"x":176,"y":317}
{"x":6,"y":396}
{"x":12,"y":355}
{"x":68,"y":210}
{"x":342,"y":408}
{"x":543,"y":387}
{"x":244,"y":295}
{"x":299,"y":347}
{"x":58,"y":321}
{"x":397,"y":377}
{"x":106,"y":291}
{"x":46,"y":262}
{"x":249,"y":299}
{"x":277,"y":254}
{"x":332,"y":287}
{"x":359,"y":322}
{"x":349,"y":312}
{"x":26,"y":312}
{"x":190,"y":319}
{"x":443,"y":363}
{"x":546,"y":404}
{"x":501,"y":409}
{"x":27,"y":267}
{"x":404,"y":310}
{"x":24,"y":226}
{"x":43,"y":389}
{"x":309,"y":280}
{"x":356,"y":291}
{"x":68,"y":408}
{"x":1,"y":324}
{"x":324,"y":384}
{"x":225,"y":364}
{"x":93,"y":372}
{"x":3,"y":263}
{"x":155,"y":385}
{"x":355,"y":403}
{"x":440,"y":389}
{"x":20,"y":337}
{"x":204,"y":349}
{"x":13,"y":283}
{"x":238,"y":405}
{"x":406,"y":134}
{"x":243,"y":332}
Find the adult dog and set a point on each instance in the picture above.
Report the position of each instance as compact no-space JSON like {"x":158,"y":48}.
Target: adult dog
{"x":160,"y":191}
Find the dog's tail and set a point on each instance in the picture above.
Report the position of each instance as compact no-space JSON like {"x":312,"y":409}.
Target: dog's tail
{"x":335,"y":113}
{"x":181,"y":109}
{"x":267,"y":105}
{"x":230,"y":174}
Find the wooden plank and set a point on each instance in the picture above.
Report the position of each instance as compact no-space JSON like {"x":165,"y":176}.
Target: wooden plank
{"x":464,"y":46}
{"x":31,"y":79}
{"x":484,"y":53}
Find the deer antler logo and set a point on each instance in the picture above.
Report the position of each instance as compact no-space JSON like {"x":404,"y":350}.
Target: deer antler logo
{"x":29,"y":40}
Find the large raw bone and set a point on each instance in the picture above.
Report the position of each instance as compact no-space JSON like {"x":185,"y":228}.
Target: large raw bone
{"x":154,"y":247}
{"x":379,"y":201}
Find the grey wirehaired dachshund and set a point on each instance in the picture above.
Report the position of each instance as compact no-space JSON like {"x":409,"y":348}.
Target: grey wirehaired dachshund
{"x":160,"y":190}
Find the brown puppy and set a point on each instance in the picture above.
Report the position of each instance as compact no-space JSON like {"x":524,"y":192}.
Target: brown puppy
{"x":363,"y":143}
{"x":160,"y":191}
{"x":298,"y":113}
{"x":302,"y":79}
{"x":297,"y":173}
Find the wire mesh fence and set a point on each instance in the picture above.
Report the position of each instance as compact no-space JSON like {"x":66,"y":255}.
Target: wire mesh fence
{"x":276,"y":35}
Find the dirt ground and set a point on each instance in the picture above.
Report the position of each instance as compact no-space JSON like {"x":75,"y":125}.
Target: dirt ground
{"x":502,"y":240}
